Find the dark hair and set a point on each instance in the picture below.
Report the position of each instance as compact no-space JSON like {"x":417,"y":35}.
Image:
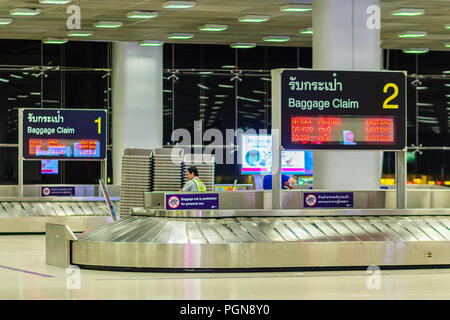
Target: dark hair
{"x":193,"y":170}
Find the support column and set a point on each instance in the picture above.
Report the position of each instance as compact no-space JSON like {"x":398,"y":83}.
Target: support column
{"x":137,"y":117}
{"x":343,"y":41}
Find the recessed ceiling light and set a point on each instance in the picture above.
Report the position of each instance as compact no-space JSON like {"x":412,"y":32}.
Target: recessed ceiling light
{"x":213,"y":27}
{"x":228,"y":66}
{"x":277,"y":38}
{"x":178,"y":4}
{"x":296,"y":7}
{"x":108,"y":24}
{"x":5,"y":21}
{"x":416,"y":50}
{"x":35,"y":93}
{"x":24,"y":12}
{"x":55,"y":1}
{"x":54,"y":41}
{"x":180,"y":36}
{"x":242,"y":45}
{"x":151,"y":43}
{"x":408,"y":12}
{"x":308,"y":31}
{"x":79,"y":33}
{"x":253,"y":18}
{"x":228,"y":86}
{"x":412,"y":34}
{"x":142,"y":14}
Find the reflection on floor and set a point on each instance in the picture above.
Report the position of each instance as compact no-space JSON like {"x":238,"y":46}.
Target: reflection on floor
{"x":24,"y":275}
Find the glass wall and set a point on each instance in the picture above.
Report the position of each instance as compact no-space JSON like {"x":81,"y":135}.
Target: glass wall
{"x":36,"y":75}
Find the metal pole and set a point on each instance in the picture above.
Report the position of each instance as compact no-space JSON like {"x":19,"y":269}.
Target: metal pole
{"x":400,"y":179}
{"x":276,"y":139}
{"x":20,"y":154}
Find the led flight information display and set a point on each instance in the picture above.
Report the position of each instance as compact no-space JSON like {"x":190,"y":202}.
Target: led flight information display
{"x":65,"y":134}
{"x":343,"y":109}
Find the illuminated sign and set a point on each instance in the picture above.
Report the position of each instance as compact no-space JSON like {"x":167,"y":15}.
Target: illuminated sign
{"x":49,"y":166}
{"x":343,"y":110}
{"x":65,"y":134}
{"x":256,"y":157}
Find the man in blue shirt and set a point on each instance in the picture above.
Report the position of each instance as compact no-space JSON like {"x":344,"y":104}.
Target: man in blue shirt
{"x":285,"y":181}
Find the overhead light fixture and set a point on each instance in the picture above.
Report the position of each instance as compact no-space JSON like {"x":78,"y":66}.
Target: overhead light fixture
{"x":447,"y":84}
{"x":407,"y":12}
{"x":253,"y":18}
{"x":203,"y":97}
{"x":213,"y":27}
{"x":416,"y":50}
{"x":446,"y":72}
{"x":22,"y":96}
{"x":24,"y":12}
{"x":421,"y":88}
{"x":228,"y":66}
{"x":424,"y":104}
{"x":307,"y":31}
{"x":151,"y":43}
{"x":79,"y":33}
{"x":277,"y":38}
{"x":15,"y":76}
{"x":180,"y":36}
{"x":296,"y":7}
{"x":447,"y":45}
{"x":447,"y":26}
{"x":35,"y":93}
{"x":178,"y":4}
{"x":266,"y":79}
{"x":54,"y":1}
{"x":412,"y":34}
{"x":205,"y":72}
{"x":5,"y":21}
{"x":12,"y":99}
{"x":142,"y":14}
{"x":4,"y":80}
{"x":242,"y":45}
{"x":108,"y":24}
{"x":54,"y":41}
{"x":228,"y":86}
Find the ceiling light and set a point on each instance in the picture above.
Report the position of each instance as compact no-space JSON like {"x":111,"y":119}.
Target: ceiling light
{"x":421,"y":88}
{"x":54,"y":41}
{"x":277,"y":38}
{"x":12,"y":99}
{"x":5,"y":21}
{"x":308,"y":30}
{"x":221,"y":95}
{"x":296,"y":7}
{"x":412,"y":34}
{"x":205,"y":72}
{"x":266,"y":79}
{"x":151,"y":43}
{"x":213,"y":27}
{"x":447,"y":45}
{"x":203,"y":97}
{"x":178,"y":4}
{"x":228,"y":67}
{"x":35,"y":93}
{"x":446,"y":72}
{"x":253,"y":18}
{"x":447,"y":84}
{"x":416,"y":50}
{"x":423,"y":104}
{"x":407,"y":12}
{"x":180,"y":36}
{"x":447,"y":26}
{"x":142,"y":14}
{"x":15,"y":76}
{"x":24,"y":12}
{"x":218,"y":102}
{"x":108,"y":24}
{"x":228,"y":86}
{"x":242,"y":45}
{"x":22,"y":96}
{"x":79,"y":33}
{"x":4,"y":80}
{"x":54,"y":1}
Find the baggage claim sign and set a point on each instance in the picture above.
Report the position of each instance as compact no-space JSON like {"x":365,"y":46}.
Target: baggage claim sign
{"x":343,"y":110}
{"x":64,"y":134}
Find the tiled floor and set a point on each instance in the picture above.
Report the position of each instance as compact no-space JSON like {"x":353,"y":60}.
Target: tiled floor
{"x":24,"y":275}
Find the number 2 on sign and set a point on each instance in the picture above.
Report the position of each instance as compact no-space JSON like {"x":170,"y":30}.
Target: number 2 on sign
{"x":99,"y":122}
{"x":386,"y":104}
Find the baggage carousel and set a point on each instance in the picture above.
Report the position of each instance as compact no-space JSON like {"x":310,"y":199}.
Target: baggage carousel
{"x":252,"y":240}
{"x":31,"y":214}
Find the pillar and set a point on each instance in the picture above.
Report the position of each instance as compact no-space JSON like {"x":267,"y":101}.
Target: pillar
{"x":137,"y":117}
{"x":343,"y":41}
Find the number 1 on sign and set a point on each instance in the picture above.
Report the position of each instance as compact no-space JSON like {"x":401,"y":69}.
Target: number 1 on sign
{"x":99,"y":122}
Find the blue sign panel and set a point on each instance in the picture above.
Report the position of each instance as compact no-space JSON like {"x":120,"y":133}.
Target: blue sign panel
{"x":328,"y":200}
{"x":192,"y":201}
{"x":65,"y":134}
{"x":58,"y":191}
